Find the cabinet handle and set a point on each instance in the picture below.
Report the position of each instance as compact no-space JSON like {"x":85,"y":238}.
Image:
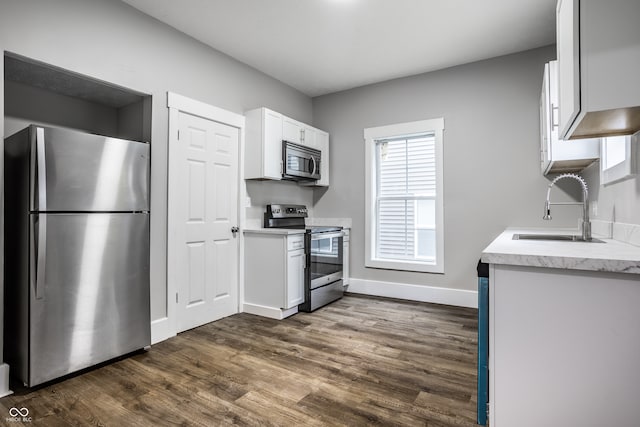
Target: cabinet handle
{"x":554,"y":123}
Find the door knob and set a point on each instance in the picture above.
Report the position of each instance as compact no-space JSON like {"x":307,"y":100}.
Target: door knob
{"x":234,"y":230}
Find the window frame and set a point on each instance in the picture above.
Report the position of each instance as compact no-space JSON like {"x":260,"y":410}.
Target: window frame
{"x":373,"y":134}
{"x":626,"y":169}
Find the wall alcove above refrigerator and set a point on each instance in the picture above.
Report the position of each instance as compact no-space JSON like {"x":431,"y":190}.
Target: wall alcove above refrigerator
{"x":39,"y":93}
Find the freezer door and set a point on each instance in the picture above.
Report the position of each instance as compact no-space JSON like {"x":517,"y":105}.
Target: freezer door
{"x":78,"y":172}
{"x":89,"y":291}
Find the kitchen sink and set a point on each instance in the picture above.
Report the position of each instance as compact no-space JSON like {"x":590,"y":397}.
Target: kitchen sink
{"x":555,"y":237}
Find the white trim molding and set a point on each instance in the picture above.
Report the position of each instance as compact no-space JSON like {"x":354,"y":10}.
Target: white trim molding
{"x":448,"y":296}
{"x":162,"y":329}
{"x":210,"y":112}
{"x":270,"y":312}
{"x":4,"y":380}
{"x":166,"y":327}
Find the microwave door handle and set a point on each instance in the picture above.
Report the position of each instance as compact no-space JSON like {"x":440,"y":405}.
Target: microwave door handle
{"x":313,"y":160}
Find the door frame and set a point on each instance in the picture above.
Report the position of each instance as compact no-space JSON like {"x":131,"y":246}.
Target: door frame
{"x":167,"y":326}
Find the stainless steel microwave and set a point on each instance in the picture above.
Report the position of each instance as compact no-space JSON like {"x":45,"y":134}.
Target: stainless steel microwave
{"x":300,"y":163}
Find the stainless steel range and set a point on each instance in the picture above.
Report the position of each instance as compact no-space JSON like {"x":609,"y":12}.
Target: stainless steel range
{"x":323,"y":249}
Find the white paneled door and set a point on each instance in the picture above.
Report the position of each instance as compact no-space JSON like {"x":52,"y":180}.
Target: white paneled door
{"x":206,"y":207}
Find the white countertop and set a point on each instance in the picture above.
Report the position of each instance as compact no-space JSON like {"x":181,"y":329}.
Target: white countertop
{"x":287,"y":231}
{"x":611,"y":256}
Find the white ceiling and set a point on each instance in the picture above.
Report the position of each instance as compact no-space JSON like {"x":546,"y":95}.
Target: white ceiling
{"x":324,"y":46}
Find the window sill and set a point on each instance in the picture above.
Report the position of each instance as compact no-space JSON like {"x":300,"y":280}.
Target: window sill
{"x":421,"y":267}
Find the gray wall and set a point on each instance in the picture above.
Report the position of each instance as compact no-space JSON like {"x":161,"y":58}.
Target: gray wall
{"x":262,"y":193}
{"x":110,"y":41}
{"x":26,"y":104}
{"x":492,"y":178}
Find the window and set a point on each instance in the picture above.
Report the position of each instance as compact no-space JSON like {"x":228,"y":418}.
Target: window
{"x":404,"y":207}
{"x":618,"y":158}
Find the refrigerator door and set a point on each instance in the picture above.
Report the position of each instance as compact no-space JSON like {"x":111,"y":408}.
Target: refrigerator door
{"x":89,"y":291}
{"x":78,"y":172}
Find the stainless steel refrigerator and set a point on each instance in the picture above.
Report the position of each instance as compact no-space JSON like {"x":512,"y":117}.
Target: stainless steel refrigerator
{"x":76,"y":251}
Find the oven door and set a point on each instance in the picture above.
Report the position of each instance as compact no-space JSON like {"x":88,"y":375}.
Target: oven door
{"x":300,"y":162}
{"x":325,"y":251}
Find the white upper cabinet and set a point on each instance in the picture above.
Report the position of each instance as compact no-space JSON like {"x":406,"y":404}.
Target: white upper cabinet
{"x":263,"y":144}
{"x":299,"y":133}
{"x":557,"y":155}
{"x":265,"y":131}
{"x":292,"y":130}
{"x":322,"y":143}
{"x":598,"y":58}
{"x":309,"y":137}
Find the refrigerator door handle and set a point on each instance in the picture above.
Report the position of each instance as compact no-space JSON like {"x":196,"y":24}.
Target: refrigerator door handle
{"x":40,"y":249}
{"x":42,"y":170}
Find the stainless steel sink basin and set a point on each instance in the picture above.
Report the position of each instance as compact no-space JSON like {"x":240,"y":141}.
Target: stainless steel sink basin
{"x":555,"y":237}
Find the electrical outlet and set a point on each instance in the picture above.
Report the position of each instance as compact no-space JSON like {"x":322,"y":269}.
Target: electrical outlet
{"x":594,"y":209}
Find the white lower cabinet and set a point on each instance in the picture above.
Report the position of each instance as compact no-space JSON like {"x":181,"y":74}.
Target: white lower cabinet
{"x":295,"y":278}
{"x":563,"y":347}
{"x":274,"y":267}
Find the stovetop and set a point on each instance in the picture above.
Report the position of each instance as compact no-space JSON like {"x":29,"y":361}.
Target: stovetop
{"x":292,"y":217}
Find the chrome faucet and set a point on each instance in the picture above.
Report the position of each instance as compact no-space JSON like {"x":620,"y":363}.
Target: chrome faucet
{"x":586,"y":224}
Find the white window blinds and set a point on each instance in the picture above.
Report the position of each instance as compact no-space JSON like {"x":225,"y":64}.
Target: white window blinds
{"x":405,"y":195}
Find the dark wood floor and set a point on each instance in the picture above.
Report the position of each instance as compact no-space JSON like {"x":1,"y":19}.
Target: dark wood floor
{"x":359,"y":361}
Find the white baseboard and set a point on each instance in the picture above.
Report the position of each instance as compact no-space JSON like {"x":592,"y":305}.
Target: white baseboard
{"x":161,"y":330}
{"x":407,"y":291}
{"x":4,"y":380}
{"x":270,"y":312}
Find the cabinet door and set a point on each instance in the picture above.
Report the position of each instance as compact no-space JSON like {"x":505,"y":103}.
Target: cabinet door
{"x":295,"y":278}
{"x":568,"y":45}
{"x":558,"y":155}
{"x":263,"y":144}
{"x":309,"y":137}
{"x":272,"y":148}
{"x":322,"y":141}
{"x":291,"y":130}
{"x":345,"y":262}
{"x":544,"y":121}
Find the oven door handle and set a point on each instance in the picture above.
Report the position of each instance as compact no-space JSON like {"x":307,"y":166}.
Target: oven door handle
{"x":319,"y":236}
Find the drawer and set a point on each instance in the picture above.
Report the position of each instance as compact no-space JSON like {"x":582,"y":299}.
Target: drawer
{"x":295,"y":242}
